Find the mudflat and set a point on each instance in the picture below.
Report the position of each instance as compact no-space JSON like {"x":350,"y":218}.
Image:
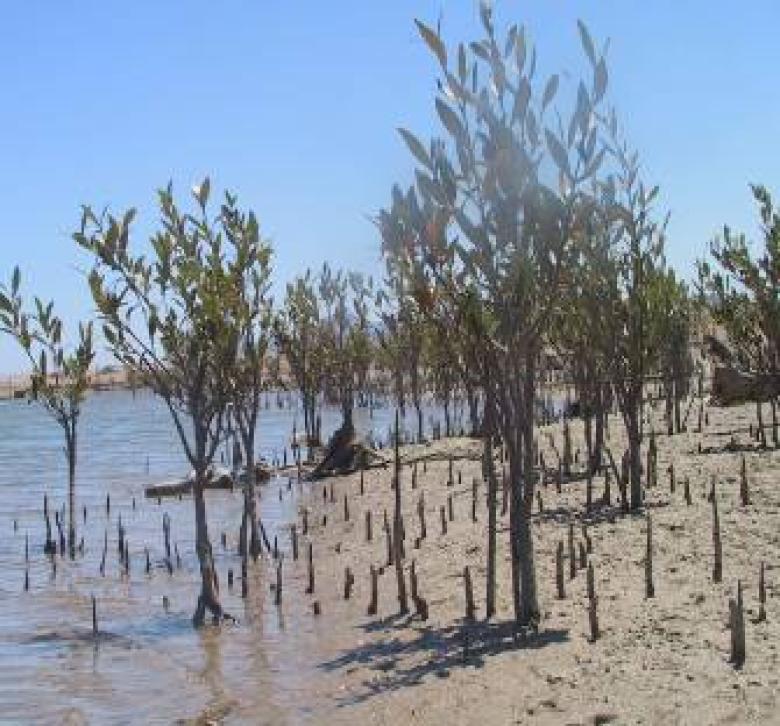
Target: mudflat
{"x":663,"y":659}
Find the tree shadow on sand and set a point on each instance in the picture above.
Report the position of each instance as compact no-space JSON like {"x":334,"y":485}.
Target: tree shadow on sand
{"x":732,"y":447}
{"x":600,"y":512}
{"x":399,"y":663}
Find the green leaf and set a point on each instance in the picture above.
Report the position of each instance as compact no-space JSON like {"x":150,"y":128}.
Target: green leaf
{"x":558,"y":153}
{"x":595,"y":163}
{"x":532,"y":127}
{"x":433,"y":41}
{"x":522,"y":96}
{"x":520,"y":50}
{"x":450,"y":119}
{"x":462,"y":65}
{"x":202,"y":192}
{"x":652,"y":195}
{"x":455,"y":89}
{"x":417,"y":149}
{"x":152,"y":325}
{"x":428,"y":188}
{"x":599,"y":80}
{"x":479,"y":50}
{"x":17,"y":278}
{"x":486,"y":15}
{"x":510,"y":41}
{"x":550,"y":90}
{"x":587,"y":42}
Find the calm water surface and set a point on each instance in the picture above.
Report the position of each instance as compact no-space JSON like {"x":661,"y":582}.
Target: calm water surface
{"x":153,"y":667}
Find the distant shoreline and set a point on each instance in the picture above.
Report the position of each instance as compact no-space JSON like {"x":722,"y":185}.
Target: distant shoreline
{"x":18,"y":386}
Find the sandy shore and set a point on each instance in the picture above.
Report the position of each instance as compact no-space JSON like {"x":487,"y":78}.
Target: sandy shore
{"x":660,"y":660}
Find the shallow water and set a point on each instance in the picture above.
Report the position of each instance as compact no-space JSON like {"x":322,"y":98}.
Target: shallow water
{"x":151,"y":666}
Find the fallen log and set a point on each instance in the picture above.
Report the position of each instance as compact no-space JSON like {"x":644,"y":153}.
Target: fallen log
{"x":731,"y":387}
{"x":218,"y":478}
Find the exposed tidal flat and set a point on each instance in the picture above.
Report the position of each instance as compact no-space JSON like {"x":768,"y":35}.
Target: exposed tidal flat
{"x":285,"y":664}
{"x":663,"y":659}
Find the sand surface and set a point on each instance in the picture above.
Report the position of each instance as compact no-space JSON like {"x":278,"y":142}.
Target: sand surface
{"x":662,"y":660}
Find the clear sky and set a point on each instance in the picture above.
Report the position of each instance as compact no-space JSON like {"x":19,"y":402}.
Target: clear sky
{"x":294,"y":105}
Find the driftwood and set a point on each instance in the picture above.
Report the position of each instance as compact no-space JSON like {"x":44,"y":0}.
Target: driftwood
{"x":217,"y":479}
{"x":731,"y":387}
{"x":344,"y":454}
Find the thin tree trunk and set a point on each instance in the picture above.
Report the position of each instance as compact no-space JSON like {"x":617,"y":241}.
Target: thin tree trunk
{"x":414,"y":375}
{"x":515,"y":504}
{"x":598,"y":446}
{"x":209,"y":595}
{"x":677,"y":413}
{"x":254,"y":534}
{"x":473,"y":410}
{"x":346,"y":413}
{"x":589,"y":470}
{"x":492,"y":482}
{"x":634,"y":448}
{"x":398,"y":527}
{"x":250,"y":492}
{"x":669,"y":407}
{"x":71,"y":450}
{"x":760,"y":416}
{"x":306,"y":418}
{"x":529,"y":610}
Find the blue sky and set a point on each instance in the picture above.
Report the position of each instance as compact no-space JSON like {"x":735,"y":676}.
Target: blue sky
{"x":294,"y":105}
